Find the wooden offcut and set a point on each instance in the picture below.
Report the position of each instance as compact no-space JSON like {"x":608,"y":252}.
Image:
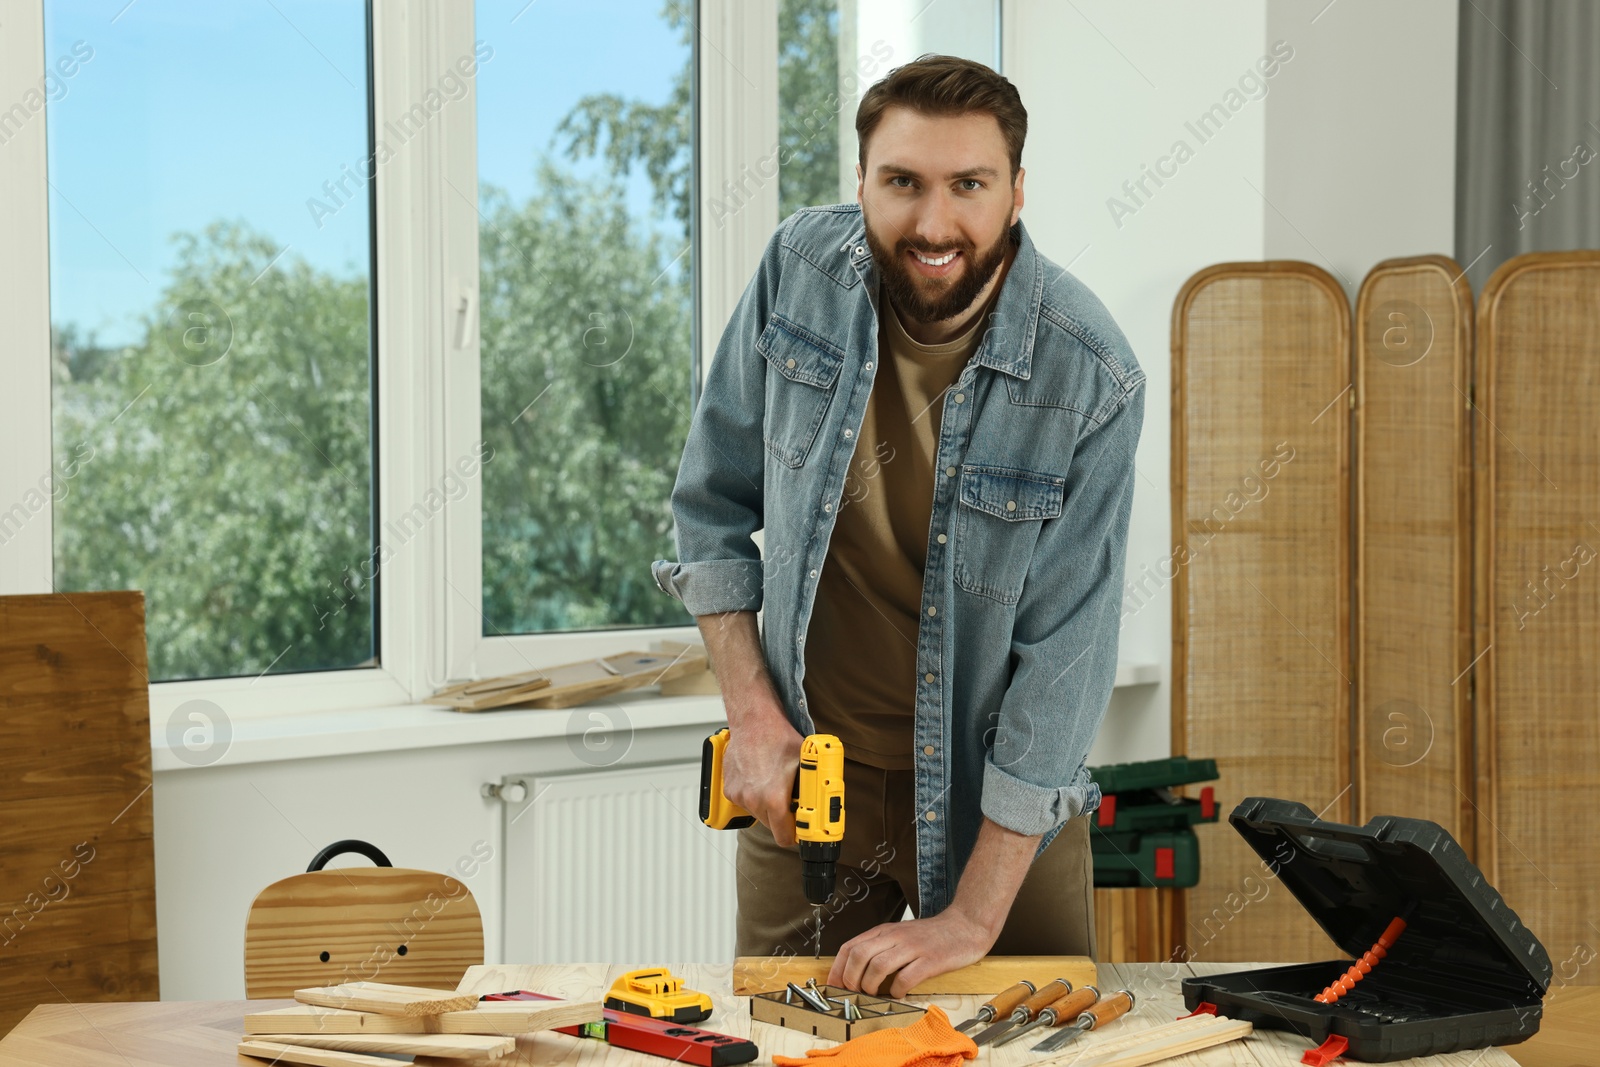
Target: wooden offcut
{"x":78,"y":879}
{"x":491,"y":1018}
{"x":449,"y":1046}
{"x":1537,"y":594}
{"x":1260,"y":576}
{"x":988,"y":976}
{"x":394,"y":924}
{"x":1413,"y":573}
{"x":570,"y":684}
{"x":386,"y":999}
{"x":1216,"y":1032}
{"x":279,"y":1052}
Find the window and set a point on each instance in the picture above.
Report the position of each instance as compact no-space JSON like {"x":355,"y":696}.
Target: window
{"x":586,"y":185}
{"x":211,"y":309}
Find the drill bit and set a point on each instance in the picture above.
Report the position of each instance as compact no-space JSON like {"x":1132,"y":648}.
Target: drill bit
{"x":816,"y":937}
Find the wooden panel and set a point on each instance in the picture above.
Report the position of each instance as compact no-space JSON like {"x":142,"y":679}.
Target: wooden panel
{"x":1261,"y":566}
{"x":1138,"y":925}
{"x":1413,"y":593}
{"x":388,"y":924}
{"x":77,"y":882}
{"x":1537,"y":603}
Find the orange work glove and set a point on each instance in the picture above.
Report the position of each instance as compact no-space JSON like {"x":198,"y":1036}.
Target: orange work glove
{"x":929,"y":1042}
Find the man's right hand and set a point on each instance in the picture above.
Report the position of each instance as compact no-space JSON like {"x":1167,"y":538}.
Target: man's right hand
{"x":759,"y":767}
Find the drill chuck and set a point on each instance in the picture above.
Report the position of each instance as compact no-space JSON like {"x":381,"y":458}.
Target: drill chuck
{"x":819,"y":861}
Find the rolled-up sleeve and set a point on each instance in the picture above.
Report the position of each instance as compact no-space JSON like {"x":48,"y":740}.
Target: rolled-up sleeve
{"x":1065,"y":636}
{"x":717,"y":500}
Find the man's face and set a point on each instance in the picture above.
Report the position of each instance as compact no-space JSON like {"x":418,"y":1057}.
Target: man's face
{"x":937,"y":187}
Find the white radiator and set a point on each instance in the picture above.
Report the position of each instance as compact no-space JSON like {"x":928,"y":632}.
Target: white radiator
{"x":614,"y":866}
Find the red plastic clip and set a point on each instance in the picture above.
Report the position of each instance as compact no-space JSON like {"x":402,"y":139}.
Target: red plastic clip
{"x":1208,"y":802}
{"x":1205,"y":1007}
{"x":1107,"y":815}
{"x":1165,"y":867}
{"x":1326,"y":1052}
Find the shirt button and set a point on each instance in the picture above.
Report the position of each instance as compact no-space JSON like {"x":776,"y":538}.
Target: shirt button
{"x":960,"y":397}
{"x":869,"y":364}
{"x":949,"y":472}
{"x":930,"y":816}
{"x":1011,"y":505}
{"x":859,"y":250}
{"x":813,"y":574}
{"x":928,"y":677}
{"x":927,"y":750}
{"x":789,"y":363}
{"x":932,"y":610}
{"x":943,"y":539}
{"x":800,"y":640}
{"x":849,"y":433}
{"x":828,"y":506}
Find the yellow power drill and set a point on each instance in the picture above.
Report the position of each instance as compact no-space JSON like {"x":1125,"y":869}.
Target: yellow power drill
{"x":818,"y":805}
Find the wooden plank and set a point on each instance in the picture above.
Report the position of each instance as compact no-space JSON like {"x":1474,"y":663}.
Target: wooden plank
{"x":1169,"y":1044}
{"x":487,"y":1018}
{"x":569,"y":684}
{"x":448,"y":1046}
{"x":386,"y":999}
{"x":277,"y":1052}
{"x":764,"y":974}
{"x":76,"y":812}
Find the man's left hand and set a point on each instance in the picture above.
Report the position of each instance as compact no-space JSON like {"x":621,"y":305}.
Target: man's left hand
{"x":912,"y":951}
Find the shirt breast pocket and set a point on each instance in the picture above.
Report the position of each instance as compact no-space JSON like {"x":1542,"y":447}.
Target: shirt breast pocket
{"x":802,"y":371}
{"x":998,"y":516}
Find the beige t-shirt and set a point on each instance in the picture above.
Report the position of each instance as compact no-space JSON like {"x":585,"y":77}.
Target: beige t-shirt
{"x":861,"y":645}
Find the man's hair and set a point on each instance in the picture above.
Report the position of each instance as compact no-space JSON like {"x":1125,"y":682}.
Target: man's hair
{"x":945,"y":85}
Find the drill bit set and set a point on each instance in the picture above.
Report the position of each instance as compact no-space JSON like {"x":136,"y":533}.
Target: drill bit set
{"x":830,"y":1012}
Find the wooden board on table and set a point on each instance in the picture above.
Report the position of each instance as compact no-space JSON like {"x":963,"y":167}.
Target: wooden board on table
{"x":450,"y":1046}
{"x":278,"y":1052}
{"x":386,"y":999}
{"x":486,"y":1018}
{"x":76,"y":809}
{"x":764,"y":974}
{"x":570,"y":684}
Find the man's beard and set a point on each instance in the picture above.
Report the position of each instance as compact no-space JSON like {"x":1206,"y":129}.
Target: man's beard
{"x":956,"y":297}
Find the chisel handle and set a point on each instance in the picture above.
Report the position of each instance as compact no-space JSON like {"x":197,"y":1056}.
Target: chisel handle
{"x":1047,"y":995}
{"x":1071,"y":1005}
{"x":1006,"y":1001}
{"x":1107,"y":1008}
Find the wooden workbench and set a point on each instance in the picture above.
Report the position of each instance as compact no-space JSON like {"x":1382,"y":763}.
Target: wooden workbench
{"x":203,"y":1034}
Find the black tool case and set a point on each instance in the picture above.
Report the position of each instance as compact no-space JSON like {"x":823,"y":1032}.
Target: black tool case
{"x":1464,"y":973}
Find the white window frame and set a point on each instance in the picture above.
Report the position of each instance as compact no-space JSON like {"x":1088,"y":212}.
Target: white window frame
{"x":427,"y":400}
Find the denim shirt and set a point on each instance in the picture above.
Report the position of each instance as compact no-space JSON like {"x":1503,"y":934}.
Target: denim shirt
{"x":1023,"y":586}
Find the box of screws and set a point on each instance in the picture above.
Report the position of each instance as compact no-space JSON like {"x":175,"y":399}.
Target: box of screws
{"x":830,"y":1012}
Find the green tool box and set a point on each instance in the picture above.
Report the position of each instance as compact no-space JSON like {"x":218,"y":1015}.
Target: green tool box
{"x":1142,"y":833}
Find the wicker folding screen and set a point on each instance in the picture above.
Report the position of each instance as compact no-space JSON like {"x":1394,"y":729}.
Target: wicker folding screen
{"x":1261,"y":567}
{"x":1537,"y":593}
{"x":1413,"y":580}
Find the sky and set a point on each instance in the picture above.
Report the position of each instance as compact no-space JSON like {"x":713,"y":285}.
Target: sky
{"x":181,"y":112}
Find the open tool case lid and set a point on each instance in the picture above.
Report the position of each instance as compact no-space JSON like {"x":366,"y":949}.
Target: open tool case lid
{"x":1465,"y":972}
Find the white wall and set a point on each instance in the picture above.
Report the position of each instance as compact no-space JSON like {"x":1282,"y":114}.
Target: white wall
{"x":1347,"y":152}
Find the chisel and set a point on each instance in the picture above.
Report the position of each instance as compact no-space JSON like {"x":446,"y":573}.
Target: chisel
{"x":1048,"y":994}
{"x":1105,"y":1009}
{"x":1069,"y":1007}
{"x":1002,"y":1003}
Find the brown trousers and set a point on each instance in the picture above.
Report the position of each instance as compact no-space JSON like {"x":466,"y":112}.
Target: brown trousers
{"x":1053,"y":914}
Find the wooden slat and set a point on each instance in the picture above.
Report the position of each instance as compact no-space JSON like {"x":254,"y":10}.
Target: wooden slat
{"x":449,"y":1046}
{"x":1413,"y":594}
{"x":278,"y":1052}
{"x":495,"y":1018}
{"x":764,"y":974}
{"x":77,"y":876}
{"x":1537,"y":596}
{"x":386,"y":999}
{"x":1260,"y":516}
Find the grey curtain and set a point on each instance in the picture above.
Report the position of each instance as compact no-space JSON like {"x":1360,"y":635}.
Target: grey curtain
{"x":1528,"y":130}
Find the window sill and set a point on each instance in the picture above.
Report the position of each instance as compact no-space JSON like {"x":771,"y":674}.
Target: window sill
{"x":309,"y":735}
